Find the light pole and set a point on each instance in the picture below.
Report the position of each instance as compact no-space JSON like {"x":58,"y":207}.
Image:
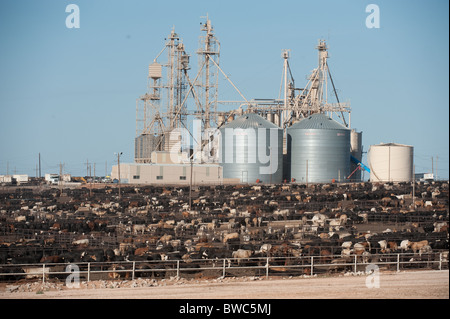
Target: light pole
{"x":118,"y":168}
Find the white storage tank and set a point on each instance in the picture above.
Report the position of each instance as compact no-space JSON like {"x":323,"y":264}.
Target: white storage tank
{"x":391,"y":162}
{"x":155,"y":71}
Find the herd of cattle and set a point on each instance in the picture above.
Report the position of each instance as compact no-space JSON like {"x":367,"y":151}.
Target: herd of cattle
{"x":147,"y":223}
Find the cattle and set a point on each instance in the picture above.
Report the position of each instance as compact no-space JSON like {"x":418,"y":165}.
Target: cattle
{"x":387,"y":247}
{"x":426,"y":249}
{"x":340,"y":264}
{"x":117,"y":271}
{"x":231,"y":236}
{"x":359,"y":248}
{"x":265,"y":249}
{"x":166,"y":238}
{"x":241,"y":254}
{"x":81,"y":242}
{"x":404,"y":245}
{"x":319,"y":219}
{"x":440,"y":226}
{"x":383,"y":246}
{"x":141,"y":251}
{"x":343,"y":219}
{"x":392,"y":246}
{"x":346,"y":245}
{"x":260,"y":216}
{"x":51,"y":259}
{"x":139,"y":228}
{"x":416,"y":246}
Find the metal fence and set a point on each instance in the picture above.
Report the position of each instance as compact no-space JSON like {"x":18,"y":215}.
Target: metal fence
{"x":267,"y":266}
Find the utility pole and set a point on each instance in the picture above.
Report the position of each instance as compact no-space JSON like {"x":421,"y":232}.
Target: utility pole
{"x":432,"y":166}
{"x":414,"y":187}
{"x":436,"y":177}
{"x":118,"y":167}
{"x":190,"y":188}
{"x":60,"y":177}
{"x":39,"y":165}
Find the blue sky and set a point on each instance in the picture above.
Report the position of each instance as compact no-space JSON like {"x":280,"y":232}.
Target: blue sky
{"x":70,"y":94}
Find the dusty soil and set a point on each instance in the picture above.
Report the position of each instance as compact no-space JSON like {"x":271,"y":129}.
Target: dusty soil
{"x":410,"y":285}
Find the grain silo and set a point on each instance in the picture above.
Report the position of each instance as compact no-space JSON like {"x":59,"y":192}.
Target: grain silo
{"x":391,"y":162}
{"x":144,"y":145}
{"x":356,"y":152}
{"x":251,"y":150}
{"x":319,"y":150}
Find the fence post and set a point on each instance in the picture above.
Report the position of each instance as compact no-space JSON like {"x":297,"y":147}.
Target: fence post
{"x":89,"y":272}
{"x":267,"y":267}
{"x":312,"y":265}
{"x":134,"y":268}
{"x":223,"y":273}
{"x":43,"y":273}
{"x":355,"y":264}
{"x":398,"y":262}
{"x":440,"y":261}
{"x":178,"y":269}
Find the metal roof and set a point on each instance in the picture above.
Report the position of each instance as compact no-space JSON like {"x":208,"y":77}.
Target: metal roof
{"x":391,"y":144}
{"x":250,"y":120}
{"x":318,"y":121}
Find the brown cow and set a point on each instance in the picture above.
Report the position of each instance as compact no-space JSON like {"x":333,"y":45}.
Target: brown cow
{"x":392,"y":245}
{"x":141,"y":251}
{"x":415,"y":246}
{"x":325,"y":256}
{"x":116,"y":275}
{"x":230,"y":236}
{"x":51,"y":259}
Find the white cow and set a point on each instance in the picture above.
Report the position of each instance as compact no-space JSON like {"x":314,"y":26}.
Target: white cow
{"x":346,"y":244}
{"x":81,"y":242}
{"x":241,"y":254}
{"x":319,"y":219}
{"x":383,"y":245}
{"x":265,"y":248}
{"x":404,"y":245}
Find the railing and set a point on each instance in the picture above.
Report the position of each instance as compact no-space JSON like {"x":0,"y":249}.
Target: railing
{"x":267,"y":266}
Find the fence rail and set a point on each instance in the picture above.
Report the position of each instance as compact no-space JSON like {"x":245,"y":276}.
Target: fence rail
{"x":267,"y":266}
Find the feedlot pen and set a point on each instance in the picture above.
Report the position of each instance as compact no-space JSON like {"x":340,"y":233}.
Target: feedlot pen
{"x":207,"y":268}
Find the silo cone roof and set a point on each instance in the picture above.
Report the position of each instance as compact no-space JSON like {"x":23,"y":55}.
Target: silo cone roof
{"x":318,"y":121}
{"x":250,"y":120}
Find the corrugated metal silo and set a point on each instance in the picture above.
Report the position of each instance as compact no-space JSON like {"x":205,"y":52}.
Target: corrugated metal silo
{"x":144,"y":145}
{"x":319,"y":150}
{"x":391,"y":162}
{"x":251,"y":149}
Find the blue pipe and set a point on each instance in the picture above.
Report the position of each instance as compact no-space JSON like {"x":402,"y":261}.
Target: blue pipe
{"x":356,"y":161}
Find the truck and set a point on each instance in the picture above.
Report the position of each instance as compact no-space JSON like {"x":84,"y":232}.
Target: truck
{"x":52,"y":178}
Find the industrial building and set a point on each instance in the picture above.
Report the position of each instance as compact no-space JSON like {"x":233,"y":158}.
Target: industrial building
{"x":299,"y":137}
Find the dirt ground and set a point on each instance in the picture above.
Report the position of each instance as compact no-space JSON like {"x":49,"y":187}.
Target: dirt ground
{"x":392,"y":285}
